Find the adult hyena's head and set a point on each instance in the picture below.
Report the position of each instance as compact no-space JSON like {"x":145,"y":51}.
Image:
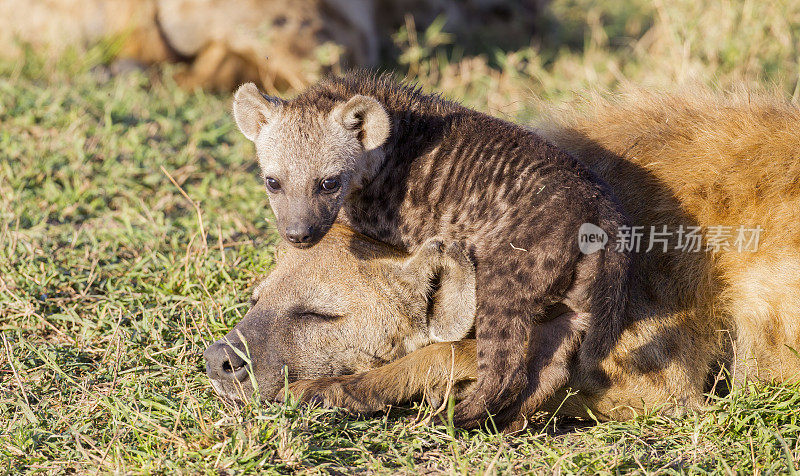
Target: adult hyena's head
{"x":311,"y":158}
{"x":344,"y":306}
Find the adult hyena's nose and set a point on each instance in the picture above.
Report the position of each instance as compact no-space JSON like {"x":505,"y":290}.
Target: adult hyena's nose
{"x":299,"y":233}
{"x":225,"y":363}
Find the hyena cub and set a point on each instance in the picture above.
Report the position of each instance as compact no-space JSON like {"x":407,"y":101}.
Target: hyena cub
{"x":401,"y":167}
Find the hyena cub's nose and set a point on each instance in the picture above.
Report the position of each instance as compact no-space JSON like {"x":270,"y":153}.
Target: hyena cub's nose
{"x":224,"y":363}
{"x":299,"y":233}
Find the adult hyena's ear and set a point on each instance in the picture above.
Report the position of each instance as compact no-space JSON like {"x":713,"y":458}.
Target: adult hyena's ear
{"x":448,"y":310}
{"x":252,"y":110}
{"x":366,"y":117}
{"x":453,"y":307}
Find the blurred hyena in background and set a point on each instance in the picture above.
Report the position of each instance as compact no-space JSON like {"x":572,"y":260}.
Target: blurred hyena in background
{"x":282,"y":45}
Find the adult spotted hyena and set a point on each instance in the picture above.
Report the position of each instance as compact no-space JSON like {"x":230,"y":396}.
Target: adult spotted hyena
{"x":689,"y":160}
{"x":401,"y":167}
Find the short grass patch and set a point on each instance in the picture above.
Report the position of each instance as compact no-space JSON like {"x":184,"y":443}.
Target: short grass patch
{"x":133,"y":223}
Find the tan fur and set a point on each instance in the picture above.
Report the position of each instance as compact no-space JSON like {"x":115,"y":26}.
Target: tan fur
{"x":713,"y":160}
{"x":223,"y":43}
{"x":426,"y":372}
{"x":278,"y":43}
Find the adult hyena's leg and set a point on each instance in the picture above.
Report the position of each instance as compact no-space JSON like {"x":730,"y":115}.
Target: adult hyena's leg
{"x":426,"y":371}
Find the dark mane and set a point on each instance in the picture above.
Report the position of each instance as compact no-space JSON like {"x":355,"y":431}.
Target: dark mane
{"x":397,"y":97}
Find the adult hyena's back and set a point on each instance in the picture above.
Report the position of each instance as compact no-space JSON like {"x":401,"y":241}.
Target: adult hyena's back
{"x":711,"y":161}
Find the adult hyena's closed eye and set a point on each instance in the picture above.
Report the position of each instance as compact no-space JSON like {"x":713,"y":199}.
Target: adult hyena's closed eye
{"x":402,"y":167}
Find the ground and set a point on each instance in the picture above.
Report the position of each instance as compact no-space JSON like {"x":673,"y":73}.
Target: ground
{"x":133,"y":223}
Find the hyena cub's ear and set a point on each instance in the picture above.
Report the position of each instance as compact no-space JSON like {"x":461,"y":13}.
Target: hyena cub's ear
{"x":252,"y":110}
{"x":366,"y":117}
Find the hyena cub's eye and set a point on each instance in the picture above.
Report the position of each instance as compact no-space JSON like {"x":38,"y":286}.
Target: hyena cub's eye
{"x":330,"y":185}
{"x":272,"y":184}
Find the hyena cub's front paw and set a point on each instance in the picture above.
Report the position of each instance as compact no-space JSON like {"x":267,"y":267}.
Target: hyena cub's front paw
{"x":328,"y":393}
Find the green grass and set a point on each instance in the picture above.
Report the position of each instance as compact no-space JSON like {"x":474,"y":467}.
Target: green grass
{"x":113,"y":282}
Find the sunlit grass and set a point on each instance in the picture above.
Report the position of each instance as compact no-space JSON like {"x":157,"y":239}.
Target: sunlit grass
{"x":113,"y":282}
